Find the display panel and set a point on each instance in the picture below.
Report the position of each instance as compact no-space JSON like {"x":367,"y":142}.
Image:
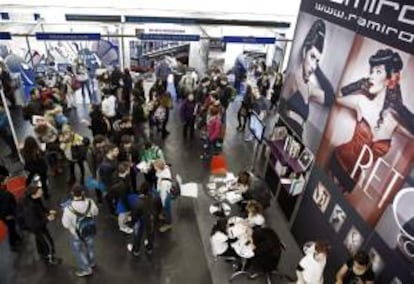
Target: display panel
{"x":257,"y":127}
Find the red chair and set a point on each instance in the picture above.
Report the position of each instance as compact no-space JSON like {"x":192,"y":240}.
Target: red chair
{"x":3,"y":231}
{"x":16,"y":186}
{"x":218,"y":165}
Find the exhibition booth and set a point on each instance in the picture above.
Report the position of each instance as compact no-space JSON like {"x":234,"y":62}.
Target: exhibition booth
{"x":340,"y":156}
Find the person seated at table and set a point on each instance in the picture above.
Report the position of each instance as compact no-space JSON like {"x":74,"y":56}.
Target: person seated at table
{"x":255,"y":216}
{"x":219,"y":240}
{"x":267,"y":251}
{"x":242,"y":183}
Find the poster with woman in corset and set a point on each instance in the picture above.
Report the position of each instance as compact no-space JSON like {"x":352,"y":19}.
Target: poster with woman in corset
{"x":368,"y":143}
{"x":312,"y":77}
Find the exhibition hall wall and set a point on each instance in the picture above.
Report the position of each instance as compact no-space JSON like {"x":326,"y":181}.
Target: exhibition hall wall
{"x":347,"y":95}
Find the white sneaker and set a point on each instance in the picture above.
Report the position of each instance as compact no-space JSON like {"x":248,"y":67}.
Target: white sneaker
{"x":126,"y":230}
{"x":130,"y":247}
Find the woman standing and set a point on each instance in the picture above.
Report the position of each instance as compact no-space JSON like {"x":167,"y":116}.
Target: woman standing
{"x":311,"y":266}
{"x":245,"y":109}
{"x":100,"y":125}
{"x":73,"y":145}
{"x":35,"y":163}
{"x":127,"y":88}
{"x":213,"y":131}
{"x":68,"y":81}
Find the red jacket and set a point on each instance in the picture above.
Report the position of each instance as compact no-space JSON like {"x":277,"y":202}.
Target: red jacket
{"x":214,"y":128}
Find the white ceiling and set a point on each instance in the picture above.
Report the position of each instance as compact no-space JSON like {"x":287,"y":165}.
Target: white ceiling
{"x":247,"y":8}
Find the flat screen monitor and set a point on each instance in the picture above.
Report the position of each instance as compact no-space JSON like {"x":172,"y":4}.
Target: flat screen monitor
{"x":256,"y":126}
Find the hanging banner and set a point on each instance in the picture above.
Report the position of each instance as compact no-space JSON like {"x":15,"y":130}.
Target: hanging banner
{"x":5,"y":36}
{"x":347,"y":96}
{"x":68,"y":36}
{"x":168,"y":37}
{"x":249,"y":39}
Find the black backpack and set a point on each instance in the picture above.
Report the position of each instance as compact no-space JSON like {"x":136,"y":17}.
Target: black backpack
{"x":85,"y":225}
{"x":175,"y":190}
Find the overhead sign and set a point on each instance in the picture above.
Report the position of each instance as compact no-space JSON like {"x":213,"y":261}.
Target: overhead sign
{"x":169,"y":37}
{"x":249,"y":39}
{"x":5,"y":36}
{"x":68,"y":36}
{"x":162,"y":20}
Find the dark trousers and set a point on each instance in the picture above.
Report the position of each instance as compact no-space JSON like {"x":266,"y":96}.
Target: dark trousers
{"x":72,"y":171}
{"x":111,"y":199}
{"x":44,"y":243}
{"x":164,"y":124}
{"x":143,"y":226}
{"x":189,"y":128}
{"x":14,"y":237}
{"x":133,"y":172}
{"x":85,"y":85}
{"x":139,"y":132}
{"x":242,"y":120}
{"x":43,"y":180}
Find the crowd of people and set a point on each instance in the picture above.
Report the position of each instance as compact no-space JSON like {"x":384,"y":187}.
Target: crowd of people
{"x":105,"y":167}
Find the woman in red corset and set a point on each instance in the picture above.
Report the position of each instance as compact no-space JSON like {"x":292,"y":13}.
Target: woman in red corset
{"x":380,"y":112}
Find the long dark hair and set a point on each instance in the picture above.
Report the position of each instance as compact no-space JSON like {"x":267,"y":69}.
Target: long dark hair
{"x":31,"y":149}
{"x":315,"y":36}
{"x":393,"y":99}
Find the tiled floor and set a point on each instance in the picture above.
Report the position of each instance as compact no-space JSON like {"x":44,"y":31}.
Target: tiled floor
{"x":179,"y":256}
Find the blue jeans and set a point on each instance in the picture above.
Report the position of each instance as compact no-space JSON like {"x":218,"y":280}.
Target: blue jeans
{"x":166,"y":206}
{"x":84,"y":252}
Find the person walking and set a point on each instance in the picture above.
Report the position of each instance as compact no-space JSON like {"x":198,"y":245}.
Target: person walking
{"x":36,"y":217}
{"x":79,"y":219}
{"x":188,"y":115}
{"x":163,"y":190}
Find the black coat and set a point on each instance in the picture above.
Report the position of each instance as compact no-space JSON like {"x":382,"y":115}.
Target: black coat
{"x":99,"y":124}
{"x":37,"y":165}
{"x":122,"y":187}
{"x":34,"y":214}
{"x":107,"y":171}
{"x":8,"y":204}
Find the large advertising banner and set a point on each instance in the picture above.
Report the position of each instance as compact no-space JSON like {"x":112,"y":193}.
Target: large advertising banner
{"x":313,"y":76}
{"x":347,"y":95}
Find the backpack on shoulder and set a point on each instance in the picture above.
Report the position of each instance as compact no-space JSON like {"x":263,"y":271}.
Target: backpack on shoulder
{"x":175,"y":190}
{"x":85,"y":225}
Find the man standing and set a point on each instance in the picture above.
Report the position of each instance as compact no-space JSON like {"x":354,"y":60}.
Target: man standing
{"x":142,"y":214}
{"x":107,"y":173}
{"x":8,"y":207}
{"x":78,"y":219}
{"x":36,"y":217}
